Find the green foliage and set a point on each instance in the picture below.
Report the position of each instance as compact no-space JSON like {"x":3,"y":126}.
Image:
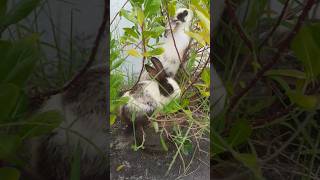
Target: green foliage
{"x":75,"y":166}
{"x":309,"y":102}
{"x":163,"y":143}
{"x":151,"y":7}
{"x":40,"y":123}
{"x":147,"y":25}
{"x":141,"y":40}
{"x":18,"y":62}
{"x":21,"y":10}
{"x":9,"y":173}
{"x":280,"y":100}
{"x":204,"y":87}
{"x":239,"y":134}
{"x":202,"y":11}
{"x":172,"y":107}
{"x":17,"y":65}
{"x":3,"y":7}
{"x":306,"y":46}
{"x":9,"y":94}
{"x":287,"y":73}
{"x":255,"y":9}
{"x":251,"y":162}
{"x":9,"y":146}
{"x":116,"y":81}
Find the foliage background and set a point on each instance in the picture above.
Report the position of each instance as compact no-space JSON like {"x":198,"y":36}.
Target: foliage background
{"x":269,"y":62}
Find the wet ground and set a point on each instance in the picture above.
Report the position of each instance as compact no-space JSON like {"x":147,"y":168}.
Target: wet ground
{"x":151,"y":164}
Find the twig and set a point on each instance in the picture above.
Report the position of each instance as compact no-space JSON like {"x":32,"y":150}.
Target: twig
{"x":185,"y":54}
{"x":143,"y":60}
{"x":260,"y":122}
{"x":174,"y":41}
{"x":277,"y":115}
{"x":287,"y":143}
{"x":282,"y":47}
{"x":119,"y":12}
{"x":234,"y":18}
{"x":92,"y":56}
{"x":283,"y":12}
{"x":197,"y":77}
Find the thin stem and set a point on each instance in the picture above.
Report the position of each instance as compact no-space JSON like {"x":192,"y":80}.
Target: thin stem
{"x":143,"y":59}
{"x":236,"y":23}
{"x":283,"y":46}
{"x":283,"y":12}
{"x":197,"y":77}
{"x":118,"y":12}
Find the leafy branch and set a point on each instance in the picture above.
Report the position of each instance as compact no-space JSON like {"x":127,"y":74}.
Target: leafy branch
{"x":282,"y":47}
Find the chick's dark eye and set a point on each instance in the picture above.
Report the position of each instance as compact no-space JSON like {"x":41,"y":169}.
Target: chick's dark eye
{"x":185,"y":12}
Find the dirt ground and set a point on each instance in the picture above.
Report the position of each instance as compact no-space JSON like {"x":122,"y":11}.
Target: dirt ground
{"x":151,"y":164}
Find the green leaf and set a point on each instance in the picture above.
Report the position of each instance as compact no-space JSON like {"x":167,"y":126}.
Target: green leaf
{"x":120,"y":167}
{"x":261,"y":104}
{"x":286,"y":72}
{"x":140,"y":16}
{"x":136,"y":2}
{"x":205,"y":76}
{"x":157,"y":31}
{"x":315,"y":29}
{"x":307,"y":50}
{"x":204,"y":19}
{"x":9,"y":173}
{"x":75,"y":166}
{"x":256,"y":9}
{"x":187,"y":148}
{"x":21,"y":10}
{"x":304,"y":101}
{"x":9,"y":144}
{"x":251,"y":162}
{"x":172,"y":8}
{"x":9,"y":94}
{"x":163,"y":143}
{"x":239,"y":133}
{"x":41,"y":123}
{"x":198,"y":37}
{"x":112,"y":119}
{"x":20,"y":60}
{"x":117,"y":64}
{"x":154,"y":52}
{"x":132,"y":32}
{"x":134,"y":53}
{"x":5,"y":65}
{"x":172,"y":107}
{"x":22,"y":105}
{"x":282,"y":82}
{"x":217,"y":144}
{"x":128,"y":15}
{"x":3,"y":8}
{"x":151,"y":7}
{"x":155,"y":125}
{"x":196,"y":6}
{"x":21,"y":73}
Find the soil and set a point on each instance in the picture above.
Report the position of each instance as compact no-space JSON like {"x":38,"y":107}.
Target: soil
{"x":152,"y":163}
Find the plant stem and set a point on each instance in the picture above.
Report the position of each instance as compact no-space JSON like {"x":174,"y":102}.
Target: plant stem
{"x":283,"y":46}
